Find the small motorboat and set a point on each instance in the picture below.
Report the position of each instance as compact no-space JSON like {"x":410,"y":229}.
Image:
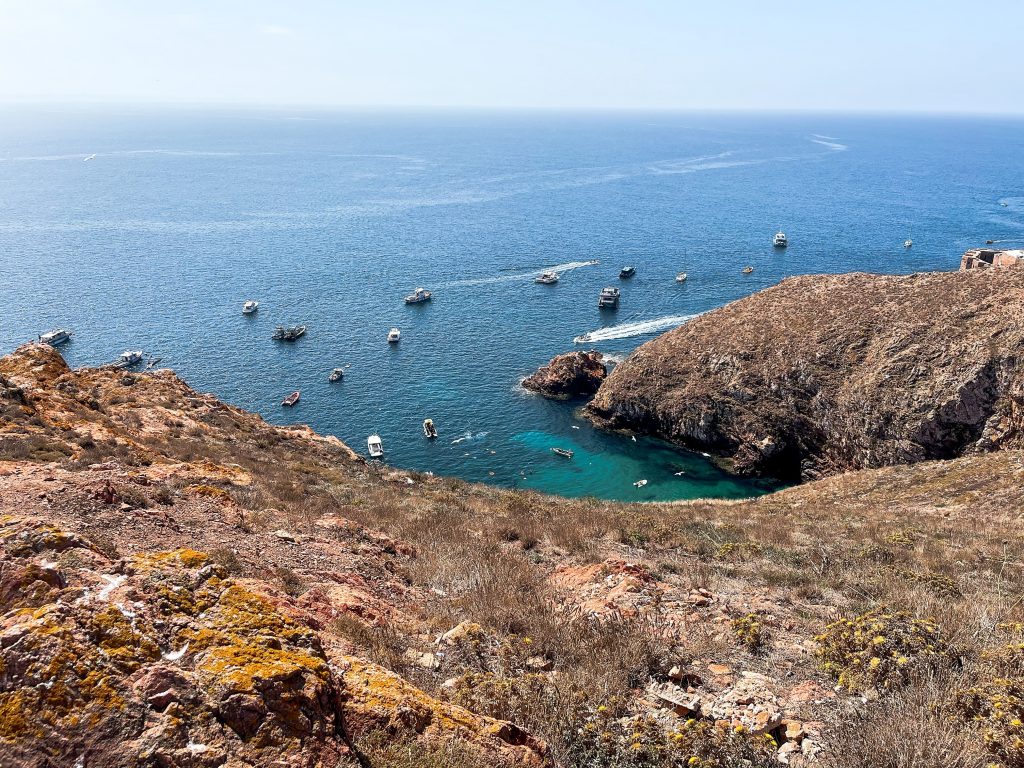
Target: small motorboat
{"x":1005,"y":204}
{"x":250,"y":307}
{"x":289,"y":333}
{"x":585,"y":338}
{"x":747,"y":270}
{"x":394,"y":335}
{"x":780,"y":240}
{"x":681,"y":277}
{"x":375,"y":446}
{"x":336,"y":375}
{"x":640,"y":483}
{"x":418,"y":296}
{"x":908,"y":243}
{"x":562,"y":452}
{"x":547,"y":278}
{"x":627,"y":272}
{"x":429,"y":429}
{"x":609,"y":298}
{"x":90,"y":157}
{"x":56,"y":337}
{"x":130,"y":357}
{"x":292,"y":399}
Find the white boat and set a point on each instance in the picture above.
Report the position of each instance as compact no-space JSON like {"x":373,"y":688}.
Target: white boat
{"x":681,"y":277}
{"x":429,"y":430}
{"x":747,"y":270}
{"x":90,"y":157}
{"x":130,"y":357}
{"x":547,"y":278}
{"x":640,"y":483}
{"x":375,"y":446}
{"x":609,"y":297}
{"x":908,"y":243}
{"x":56,"y":337}
{"x":418,"y":296}
{"x":250,"y":307}
{"x":780,"y":240}
{"x":336,"y":375}
{"x":394,"y":335}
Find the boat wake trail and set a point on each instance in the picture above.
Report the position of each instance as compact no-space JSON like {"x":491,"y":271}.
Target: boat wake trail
{"x":470,"y":436}
{"x":559,"y":268}
{"x":828,"y":141}
{"x":626,"y":330}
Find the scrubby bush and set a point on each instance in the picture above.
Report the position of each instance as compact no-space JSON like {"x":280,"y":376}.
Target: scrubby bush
{"x":877,"y":650}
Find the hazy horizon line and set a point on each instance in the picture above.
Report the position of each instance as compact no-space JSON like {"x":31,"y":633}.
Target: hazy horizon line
{"x":494,"y":108}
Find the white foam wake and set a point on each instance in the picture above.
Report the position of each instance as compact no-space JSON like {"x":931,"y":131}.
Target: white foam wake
{"x":835,"y":146}
{"x":559,"y":268}
{"x":626,"y":330}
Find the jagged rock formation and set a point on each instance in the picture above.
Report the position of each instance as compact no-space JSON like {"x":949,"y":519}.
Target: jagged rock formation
{"x":574,"y":374}
{"x":825,"y":373}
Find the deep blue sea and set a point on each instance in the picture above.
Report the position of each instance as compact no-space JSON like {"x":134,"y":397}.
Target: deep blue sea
{"x":329,"y":219}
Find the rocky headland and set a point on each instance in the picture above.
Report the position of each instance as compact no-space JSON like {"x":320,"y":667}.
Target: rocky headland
{"x":822,"y":374}
{"x":572,"y":375}
{"x":183,"y":584}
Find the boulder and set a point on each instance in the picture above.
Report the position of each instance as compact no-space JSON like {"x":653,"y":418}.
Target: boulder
{"x":575,"y":374}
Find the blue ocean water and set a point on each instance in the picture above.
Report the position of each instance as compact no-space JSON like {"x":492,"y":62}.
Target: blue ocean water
{"x":329,"y":219}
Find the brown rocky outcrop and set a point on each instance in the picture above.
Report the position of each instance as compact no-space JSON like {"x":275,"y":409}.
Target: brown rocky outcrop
{"x":826,"y":373}
{"x":574,"y":374}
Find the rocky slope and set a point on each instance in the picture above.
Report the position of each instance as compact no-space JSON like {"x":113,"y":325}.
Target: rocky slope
{"x":574,"y":374}
{"x":825,"y":373}
{"x":182,"y":584}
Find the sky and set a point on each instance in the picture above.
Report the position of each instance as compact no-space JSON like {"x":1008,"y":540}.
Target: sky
{"x":868,"y":55}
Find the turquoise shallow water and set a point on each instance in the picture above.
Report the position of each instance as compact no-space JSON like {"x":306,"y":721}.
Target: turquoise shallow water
{"x":331,"y":218}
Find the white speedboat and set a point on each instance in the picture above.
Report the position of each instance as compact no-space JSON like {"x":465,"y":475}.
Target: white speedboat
{"x":780,"y":240}
{"x":747,"y":270}
{"x":681,"y":277}
{"x":908,"y":243}
{"x":131,"y":357}
{"x":56,"y":337}
{"x":418,"y":296}
{"x":394,"y":335}
{"x":547,"y":278}
{"x":250,"y":307}
{"x":375,"y":446}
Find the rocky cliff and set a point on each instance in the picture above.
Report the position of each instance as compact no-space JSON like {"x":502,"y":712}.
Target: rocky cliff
{"x":182,"y":584}
{"x":825,"y":373}
{"x":574,"y":374}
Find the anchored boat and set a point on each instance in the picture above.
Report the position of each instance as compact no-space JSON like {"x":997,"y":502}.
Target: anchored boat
{"x":292,"y":399}
{"x":56,"y":337}
{"x":250,"y":307}
{"x":681,"y":277}
{"x":375,"y":446}
{"x":394,"y":336}
{"x":609,"y":298}
{"x":336,"y":375}
{"x":130,"y":357}
{"x":780,"y":240}
{"x":418,"y":296}
{"x":562,"y":452}
{"x":429,"y":429}
{"x":289,"y":333}
{"x":626,"y":272}
{"x":747,"y":270}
